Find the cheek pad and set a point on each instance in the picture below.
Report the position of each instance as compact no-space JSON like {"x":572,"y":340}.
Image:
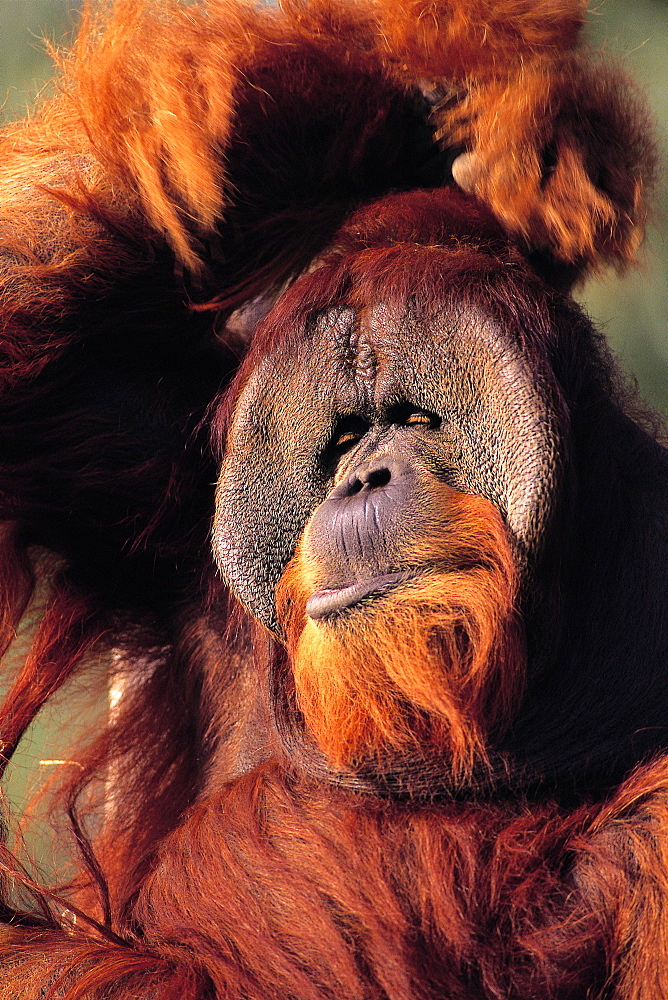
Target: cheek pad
{"x":269,"y":484}
{"x":260,"y":515}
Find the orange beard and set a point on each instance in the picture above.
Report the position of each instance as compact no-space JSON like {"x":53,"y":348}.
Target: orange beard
{"x":434,"y":666}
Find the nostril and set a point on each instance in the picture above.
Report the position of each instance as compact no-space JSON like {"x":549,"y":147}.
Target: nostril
{"x":375,"y":479}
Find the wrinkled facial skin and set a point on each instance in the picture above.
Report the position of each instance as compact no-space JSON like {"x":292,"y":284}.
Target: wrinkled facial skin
{"x":347,"y":435}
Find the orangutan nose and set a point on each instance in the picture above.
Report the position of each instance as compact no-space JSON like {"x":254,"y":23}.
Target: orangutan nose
{"x":353,"y":532}
{"x":373,"y":476}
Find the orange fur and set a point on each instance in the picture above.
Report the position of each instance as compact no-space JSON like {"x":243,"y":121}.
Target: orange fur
{"x":560,"y":151}
{"x":446,"y":38}
{"x":458,"y":38}
{"x":158,"y":125}
{"x":435,"y":665}
{"x":517,"y":93}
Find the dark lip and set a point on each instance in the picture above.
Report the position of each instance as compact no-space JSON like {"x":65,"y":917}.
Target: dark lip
{"x":328,"y":602}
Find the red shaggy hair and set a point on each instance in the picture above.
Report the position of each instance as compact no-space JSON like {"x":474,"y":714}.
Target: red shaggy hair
{"x":434,"y":667}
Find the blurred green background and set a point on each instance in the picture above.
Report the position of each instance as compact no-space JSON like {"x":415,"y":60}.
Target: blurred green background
{"x":633,"y":311}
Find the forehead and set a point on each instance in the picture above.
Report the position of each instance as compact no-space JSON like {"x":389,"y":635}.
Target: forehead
{"x":365,"y":360}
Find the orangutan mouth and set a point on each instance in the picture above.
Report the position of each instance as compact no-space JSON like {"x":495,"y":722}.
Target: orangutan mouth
{"x":331,"y":601}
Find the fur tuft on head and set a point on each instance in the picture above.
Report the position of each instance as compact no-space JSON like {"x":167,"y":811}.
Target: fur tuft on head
{"x":560,"y":150}
{"x":436,"y":669}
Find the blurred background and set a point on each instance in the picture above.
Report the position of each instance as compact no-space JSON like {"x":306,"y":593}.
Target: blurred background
{"x":633,"y":310}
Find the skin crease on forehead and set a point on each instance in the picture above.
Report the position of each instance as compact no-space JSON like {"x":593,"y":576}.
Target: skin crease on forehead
{"x":373,"y":366}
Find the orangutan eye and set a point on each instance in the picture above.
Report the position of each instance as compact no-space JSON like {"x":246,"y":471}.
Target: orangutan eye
{"x":422,"y":419}
{"x":346,"y":433}
{"x":346,"y":438}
